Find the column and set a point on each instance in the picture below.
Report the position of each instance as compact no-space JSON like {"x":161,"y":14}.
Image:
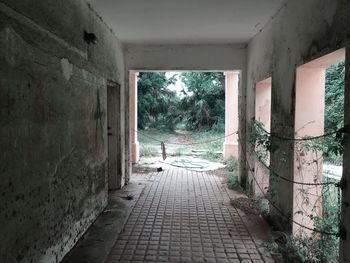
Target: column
{"x":231,"y":115}
{"x":135,"y":147}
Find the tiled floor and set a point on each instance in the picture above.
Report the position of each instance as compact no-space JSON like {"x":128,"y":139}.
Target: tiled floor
{"x":185,"y":216}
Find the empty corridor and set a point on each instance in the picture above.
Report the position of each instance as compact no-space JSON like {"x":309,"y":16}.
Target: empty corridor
{"x":185,"y":216}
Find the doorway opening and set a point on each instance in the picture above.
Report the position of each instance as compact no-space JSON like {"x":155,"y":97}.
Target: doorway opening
{"x":191,"y":116}
{"x":262,"y":121}
{"x":114,"y":136}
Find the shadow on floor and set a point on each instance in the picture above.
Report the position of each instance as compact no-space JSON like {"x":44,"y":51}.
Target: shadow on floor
{"x":99,"y":239}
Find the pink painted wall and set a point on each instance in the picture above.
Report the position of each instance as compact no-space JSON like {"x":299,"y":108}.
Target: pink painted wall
{"x":231,"y":115}
{"x":263,"y":102}
{"x":309,"y":121}
{"x":263,"y":114}
{"x":135,"y":148}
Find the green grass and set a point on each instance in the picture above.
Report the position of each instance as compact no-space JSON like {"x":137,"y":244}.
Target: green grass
{"x":146,"y":151}
{"x":180,"y":151}
{"x":152,"y":136}
{"x":212,"y":143}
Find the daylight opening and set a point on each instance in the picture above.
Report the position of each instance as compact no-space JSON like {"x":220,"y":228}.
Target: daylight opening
{"x":319,"y":117}
{"x":263,"y":122}
{"x":179,"y":119}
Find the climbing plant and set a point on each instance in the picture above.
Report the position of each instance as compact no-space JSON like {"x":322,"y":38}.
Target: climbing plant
{"x":323,"y":244}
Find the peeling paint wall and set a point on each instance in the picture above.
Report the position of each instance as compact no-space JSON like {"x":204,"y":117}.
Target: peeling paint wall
{"x":53,"y":135}
{"x":300,"y":32}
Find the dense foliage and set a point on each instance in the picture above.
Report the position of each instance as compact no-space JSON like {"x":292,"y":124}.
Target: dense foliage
{"x":203,"y":106}
{"x":324,"y":247}
{"x":206,"y":106}
{"x":161,"y":108}
{"x":334,"y":111}
{"x":157,"y":105}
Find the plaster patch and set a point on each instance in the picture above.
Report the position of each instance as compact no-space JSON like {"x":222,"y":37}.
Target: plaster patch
{"x":67,"y":68}
{"x":85,"y":74}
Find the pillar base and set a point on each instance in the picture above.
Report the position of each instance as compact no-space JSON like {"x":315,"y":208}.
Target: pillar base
{"x":135,"y":152}
{"x":230,"y":150}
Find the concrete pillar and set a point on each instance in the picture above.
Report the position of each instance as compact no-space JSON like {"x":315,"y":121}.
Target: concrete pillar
{"x":135,"y":147}
{"x":231,"y":115}
{"x":309,"y":121}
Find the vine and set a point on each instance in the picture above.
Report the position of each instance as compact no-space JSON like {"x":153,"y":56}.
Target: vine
{"x":317,"y":199}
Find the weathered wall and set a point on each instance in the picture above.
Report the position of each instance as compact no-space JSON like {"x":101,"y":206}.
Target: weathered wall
{"x":185,"y":57}
{"x":53,"y":135}
{"x":302,"y":30}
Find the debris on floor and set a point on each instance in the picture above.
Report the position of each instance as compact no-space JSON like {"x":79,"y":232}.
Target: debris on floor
{"x":190,"y":163}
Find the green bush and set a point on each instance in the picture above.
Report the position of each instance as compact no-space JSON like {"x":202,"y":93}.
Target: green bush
{"x":232,"y":165}
{"x":219,"y":126}
{"x":233,"y":173}
{"x":212,"y":155}
{"x":232,"y":179}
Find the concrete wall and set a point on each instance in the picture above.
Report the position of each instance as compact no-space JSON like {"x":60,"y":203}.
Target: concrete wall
{"x":302,"y":31}
{"x":185,"y":57}
{"x":53,"y":135}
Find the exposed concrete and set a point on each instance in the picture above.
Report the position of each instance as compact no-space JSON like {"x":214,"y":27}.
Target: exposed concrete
{"x":53,"y":110}
{"x":302,"y":31}
{"x":53,"y":135}
{"x":185,"y":57}
{"x":187,"y":22}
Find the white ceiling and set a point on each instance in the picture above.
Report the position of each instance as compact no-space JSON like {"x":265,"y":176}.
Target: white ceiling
{"x":186,"y":21}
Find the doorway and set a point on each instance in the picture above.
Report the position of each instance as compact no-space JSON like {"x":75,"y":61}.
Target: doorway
{"x":114,"y":138}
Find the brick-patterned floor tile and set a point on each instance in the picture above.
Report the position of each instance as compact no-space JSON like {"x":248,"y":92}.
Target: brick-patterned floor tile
{"x":180,"y":217}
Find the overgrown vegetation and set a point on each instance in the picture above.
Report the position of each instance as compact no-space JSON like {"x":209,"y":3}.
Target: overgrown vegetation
{"x":304,"y":248}
{"x":202,"y":106}
{"x":157,"y":105}
{"x":232,"y":167}
{"x":147,"y":151}
{"x":334,"y":112}
{"x":317,"y":247}
{"x":210,"y":147}
{"x":205,"y":108}
{"x":300,"y":249}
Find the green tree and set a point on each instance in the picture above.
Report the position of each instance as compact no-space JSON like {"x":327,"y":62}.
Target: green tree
{"x":334,"y":110}
{"x":206,"y":106}
{"x":155,"y":102}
